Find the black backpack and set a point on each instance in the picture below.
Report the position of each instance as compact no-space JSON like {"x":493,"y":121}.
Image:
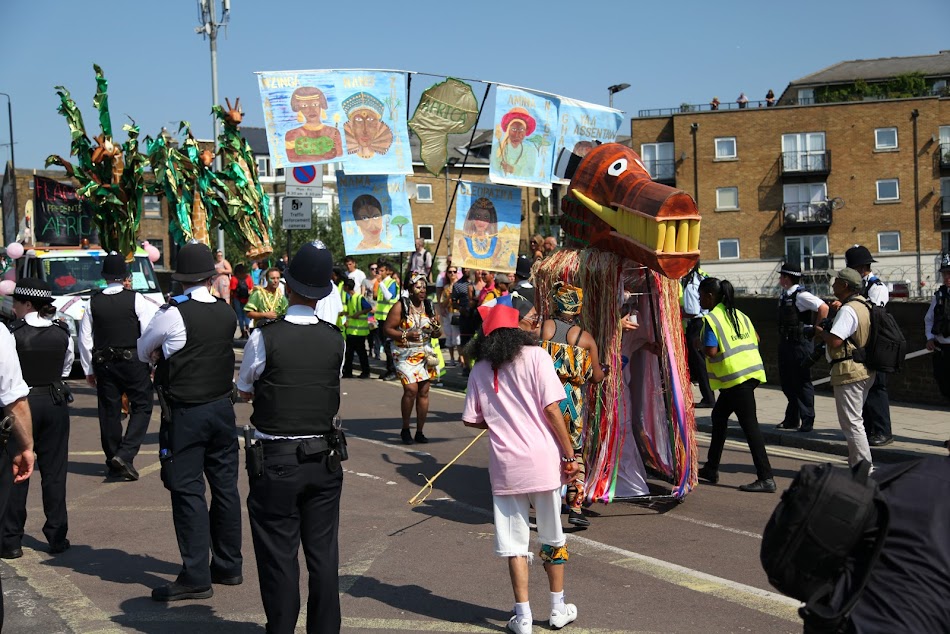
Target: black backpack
{"x":886,"y":345}
{"x":830,"y":522}
{"x":243,"y":292}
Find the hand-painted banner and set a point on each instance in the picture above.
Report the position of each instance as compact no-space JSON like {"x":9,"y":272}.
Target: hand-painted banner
{"x":60,"y":218}
{"x":303,"y":117}
{"x":580,"y":124}
{"x":448,"y":107}
{"x":375,"y":214}
{"x":487,"y":227}
{"x":377,"y":137}
{"x":523,"y":149}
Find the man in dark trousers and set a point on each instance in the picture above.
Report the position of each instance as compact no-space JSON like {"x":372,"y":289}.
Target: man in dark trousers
{"x":191,"y":340}
{"x":693,"y":316}
{"x":797,"y":308}
{"x":109,"y":329}
{"x":291,"y":371}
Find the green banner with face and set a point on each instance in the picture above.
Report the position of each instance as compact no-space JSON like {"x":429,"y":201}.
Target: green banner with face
{"x":448,"y":107}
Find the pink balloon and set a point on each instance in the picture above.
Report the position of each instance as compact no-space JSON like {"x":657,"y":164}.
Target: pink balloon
{"x":154,"y":255}
{"x":15,"y":250}
{"x":145,"y":245}
{"x":7,"y":287}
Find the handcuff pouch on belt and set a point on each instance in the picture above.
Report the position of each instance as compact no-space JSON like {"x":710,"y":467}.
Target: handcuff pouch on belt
{"x":60,"y":393}
{"x":254,"y":454}
{"x":105,"y":355}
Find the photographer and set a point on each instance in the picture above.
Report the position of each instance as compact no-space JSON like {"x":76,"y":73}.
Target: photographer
{"x":850,"y":379}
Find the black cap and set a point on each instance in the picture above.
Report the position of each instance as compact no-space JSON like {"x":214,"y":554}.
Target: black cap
{"x":30,"y":289}
{"x":195,"y":263}
{"x":309,"y":271}
{"x":791,"y":268}
{"x":523,"y":268}
{"x":858,"y":256}
{"x":522,"y":298}
{"x":114,"y":267}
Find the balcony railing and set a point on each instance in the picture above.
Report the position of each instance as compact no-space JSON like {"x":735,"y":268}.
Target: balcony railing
{"x":798,"y":215}
{"x":945,"y":207}
{"x":702,"y":107}
{"x":662,"y":171}
{"x":945,"y":155}
{"x":809,"y":162}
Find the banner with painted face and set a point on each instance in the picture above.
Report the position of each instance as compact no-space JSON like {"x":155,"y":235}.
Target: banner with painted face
{"x":522,"y":151}
{"x":377,"y":136}
{"x":303,"y":117}
{"x":581,"y":124}
{"x":375,"y":214}
{"x":487,"y":227}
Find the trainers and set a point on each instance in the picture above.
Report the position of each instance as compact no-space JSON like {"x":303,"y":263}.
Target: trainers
{"x":421,"y":438}
{"x":707,"y":474}
{"x":560,"y":619}
{"x":519,"y":625}
{"x":406,"y":437}
{"x":759,"y":486}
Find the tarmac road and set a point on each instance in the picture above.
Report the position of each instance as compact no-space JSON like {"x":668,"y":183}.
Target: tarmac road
{"x":667,"y":567}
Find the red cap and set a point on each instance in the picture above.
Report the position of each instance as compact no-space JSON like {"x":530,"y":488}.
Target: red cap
{"x":498,"y":316}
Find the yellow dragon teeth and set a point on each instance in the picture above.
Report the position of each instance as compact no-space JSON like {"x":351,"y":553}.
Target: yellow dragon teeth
{"x":694,"y":235}
{"x":670,"y":245}
{"x":682,"y":236}
{"x":660,"y":234}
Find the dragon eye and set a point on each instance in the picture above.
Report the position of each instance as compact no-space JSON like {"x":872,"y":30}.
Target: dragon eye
{"x":618,"y":167}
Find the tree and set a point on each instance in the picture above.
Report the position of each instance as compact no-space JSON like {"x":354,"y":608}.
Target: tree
{"x":400,"y":222}
{"x":329,"y":231}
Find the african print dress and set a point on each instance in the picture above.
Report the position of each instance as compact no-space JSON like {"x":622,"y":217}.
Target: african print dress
{"x":411,"y":356}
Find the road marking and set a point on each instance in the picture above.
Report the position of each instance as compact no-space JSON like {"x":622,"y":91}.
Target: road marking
{"x":107,"y":487}
{"x":414,"y":452}
{"x":449,"y":626}
{"x":360,"y":474}
{"x":353,"y":570}
{"x":720,"y":527}
{"x":437,"y":390}
{"x":785,"y":452}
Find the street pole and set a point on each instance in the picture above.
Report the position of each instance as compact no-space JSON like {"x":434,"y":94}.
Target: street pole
{"x":920,"y":274}
{"x":16,"y":205}
{"x":209,"y":27}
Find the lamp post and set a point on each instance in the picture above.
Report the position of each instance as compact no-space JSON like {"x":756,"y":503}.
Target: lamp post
{"x":16,"y":206}
{"x":612,"y":90}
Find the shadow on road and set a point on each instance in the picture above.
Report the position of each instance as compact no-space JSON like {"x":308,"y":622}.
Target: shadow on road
{"x":116,"y":566}
{"x":150,"y":617}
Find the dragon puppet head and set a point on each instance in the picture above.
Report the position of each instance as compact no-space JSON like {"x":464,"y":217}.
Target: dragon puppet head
{"x":613,"y":204}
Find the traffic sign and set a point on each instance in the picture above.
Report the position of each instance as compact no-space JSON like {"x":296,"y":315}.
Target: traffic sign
{"x":297,"y":213}
{"x":304,"y":181}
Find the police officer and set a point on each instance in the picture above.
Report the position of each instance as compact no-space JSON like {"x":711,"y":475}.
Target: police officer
{"x":796,"y":309}
{"x":291,"y":370}
{"x":46,"y":355}
{"x":693,"y":314}
{"x":115,"y":318}
{"x":16,"y":461}
{"x":877,"y":408}
{"x":937,"y":330}
{"x":191,"y":338}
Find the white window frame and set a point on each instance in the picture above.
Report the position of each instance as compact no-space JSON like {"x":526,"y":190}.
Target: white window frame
{"x":322,"y":209}
{"x":431,"y":229}
{"x":806,"y":253}
{"x":723,"y":241}
{"x":419,"y":189}
{"x":810,"y":150}
{"x":652,"y":153}
{"x":155,"y":213}
{"x":266,"y":171}
{"x":881,"y":146}
{"x":897,"y":184}
{"x":880,"y":246}
{"x":719,"y":206}
{"x":724,"y":156}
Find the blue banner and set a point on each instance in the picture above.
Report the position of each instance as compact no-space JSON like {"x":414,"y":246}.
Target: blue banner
{"x":523,"y":147}
{"x":580,"y":124}
{"x":377,"y":135}
{"x":487,"y":227}
{"x":375,"y":214}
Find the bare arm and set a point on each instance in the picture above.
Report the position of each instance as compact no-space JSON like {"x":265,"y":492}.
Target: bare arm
{"x":481,"y":425}
{"x":821,"y":313}
{"x":391,"y":328}
{"x":587,"y":341}
{"x":23,"y":433}
{"x":556,"y":422}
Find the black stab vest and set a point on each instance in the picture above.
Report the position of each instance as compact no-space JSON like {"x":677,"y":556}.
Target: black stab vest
{"x":790,"y":319}
{"x":114,"y":321}
{"x":41,"y":352}
{"x":298,"y":393}
{"x":942,"y":313}
{"x":203,"y":370}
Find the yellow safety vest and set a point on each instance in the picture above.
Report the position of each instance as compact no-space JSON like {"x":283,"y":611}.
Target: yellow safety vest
{"x":356,"y":326}
{"x":341,"y":320}
{"x":738,"y":359}
{"x":383,"y":305}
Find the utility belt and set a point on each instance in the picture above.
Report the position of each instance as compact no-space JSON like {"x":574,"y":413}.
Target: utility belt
{"x":332,"y":445}
{"x":58,"y":392}
{"x":106,"y":355}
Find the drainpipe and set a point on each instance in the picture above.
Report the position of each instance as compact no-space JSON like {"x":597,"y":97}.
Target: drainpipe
{"x":694,"y":127}
{"x":920,"y":277}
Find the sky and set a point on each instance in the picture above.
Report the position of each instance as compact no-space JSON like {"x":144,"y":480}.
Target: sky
{"x":159,"y":69}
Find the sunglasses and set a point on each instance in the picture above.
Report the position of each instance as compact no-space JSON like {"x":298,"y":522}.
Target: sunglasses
{"x":452,"y":271}
{"x":372,"y":268}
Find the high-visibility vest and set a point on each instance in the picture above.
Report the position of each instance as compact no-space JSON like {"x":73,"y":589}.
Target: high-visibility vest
{"x":356,"y":326}
{"x":341,"y":320}
{"x":738,"y":359}
{"x":383,"y":305}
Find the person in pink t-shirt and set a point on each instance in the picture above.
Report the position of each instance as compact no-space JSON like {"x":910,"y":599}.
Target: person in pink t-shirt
{"x":514,"y":393}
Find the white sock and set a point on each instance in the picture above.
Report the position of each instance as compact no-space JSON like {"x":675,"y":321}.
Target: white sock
{"x":523,"y":610}
{"x":557,"y":601}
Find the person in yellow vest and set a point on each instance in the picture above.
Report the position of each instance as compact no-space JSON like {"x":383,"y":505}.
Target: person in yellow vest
{"x":850,"y":380}
{"x":735,"y":368}
{"x":387,"y":295}
{"x":357,"y":310}
{"x":337,"y":278}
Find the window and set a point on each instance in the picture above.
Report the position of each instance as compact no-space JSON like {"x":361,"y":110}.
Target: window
{"x":885,"y":139}
{"x":424,"y":193}
{"x":658,"y":159}
{"x":729,"y":249}
{"x":810,"y":251}
{"x":727,"y":198}
{"x":160,"y":245}
{"x":945,"y":197}
{"x":726,"y":148}
{"x":804,"y":203}
{"x":889,"y":242}
{"x":888,"y":190}
{"x":806,"y":96}
{"x":804,"y":152}
{"x":425,"y":232}
{"x":263,"y":166}
{"x":945,"y":241}
{"x":321,"y":210}
{"x":151,"y":207}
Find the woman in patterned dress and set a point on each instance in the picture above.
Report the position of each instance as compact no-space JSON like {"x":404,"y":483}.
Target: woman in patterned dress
{"x":574,"y":353}
{"x":412,"y":325}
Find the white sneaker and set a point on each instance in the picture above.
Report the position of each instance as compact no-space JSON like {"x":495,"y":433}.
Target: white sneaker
{"x":520,"y":625}
{"x":560,"y":619}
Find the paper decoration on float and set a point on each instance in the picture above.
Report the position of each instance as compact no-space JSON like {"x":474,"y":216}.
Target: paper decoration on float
{"x":487,"y":227}
{"x":375,"y":214}
{"x":523,"y":141}
{"x":377,"y":136}
{"x":303,"y":117}
{"x":581,"y":125}
{"x":448,"y":107}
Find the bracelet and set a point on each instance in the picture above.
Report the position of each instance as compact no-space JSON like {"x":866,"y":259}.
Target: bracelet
{"x":568,"y":460}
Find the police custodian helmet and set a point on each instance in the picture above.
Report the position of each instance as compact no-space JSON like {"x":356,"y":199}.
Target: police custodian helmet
{"x":309,"y":272}
{"x":195,"y":263}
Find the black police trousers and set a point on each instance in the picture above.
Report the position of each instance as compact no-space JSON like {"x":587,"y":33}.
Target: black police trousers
{"x":297,"y":501}
{"x":877,"y":408}
{"x":113,"y":379}
{"x":6,"y":486}
{"x":356,"y":344}
{"x":201,"y":441}
{"x":51,"y":446}
{"x":741,"y":400}
{"x":796,"y":381}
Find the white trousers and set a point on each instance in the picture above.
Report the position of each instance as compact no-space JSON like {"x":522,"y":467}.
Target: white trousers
{"x":512,"y":532}
{"x":849,"y":401}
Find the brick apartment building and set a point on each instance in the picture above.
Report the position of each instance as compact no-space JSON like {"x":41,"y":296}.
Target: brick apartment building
{"x":873,"y":135}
